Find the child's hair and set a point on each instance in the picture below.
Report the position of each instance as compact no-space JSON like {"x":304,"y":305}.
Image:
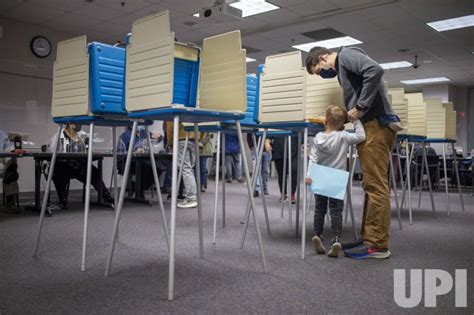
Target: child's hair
{"x":336,"y":116}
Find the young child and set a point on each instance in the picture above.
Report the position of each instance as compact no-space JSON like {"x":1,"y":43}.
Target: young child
{"x":329,"y":148}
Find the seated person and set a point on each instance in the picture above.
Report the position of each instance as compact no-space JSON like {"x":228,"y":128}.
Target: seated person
{"x":73,"y":139}
{"x":146,"y":175}
{"x":9,"y":174}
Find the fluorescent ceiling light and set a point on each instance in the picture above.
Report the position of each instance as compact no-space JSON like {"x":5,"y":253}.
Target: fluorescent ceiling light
{"x":196,"y":14}
{"x":329,"y":43}
{"x":427,"y":80}
{"x":395,"y":65}
{"x":452,"y":24}
{"x":252,"y":7}
{"x":247,"y":59}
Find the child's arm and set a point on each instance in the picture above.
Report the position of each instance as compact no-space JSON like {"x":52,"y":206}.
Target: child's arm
{"x":358,"y":136}
{"x":313,"y":159}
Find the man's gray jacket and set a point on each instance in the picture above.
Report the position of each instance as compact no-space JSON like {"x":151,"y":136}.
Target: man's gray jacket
{"x":361,"y":80}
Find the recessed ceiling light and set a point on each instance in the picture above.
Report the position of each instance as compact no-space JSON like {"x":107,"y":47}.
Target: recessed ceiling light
{"x":247,"y":59}
{"x":425,"y":81}
{"x":196,"y":15}
{"x":395,"y":65}
{"x":253,"y":7}
{"x":452,"y":24}
{"x":329,"y":43}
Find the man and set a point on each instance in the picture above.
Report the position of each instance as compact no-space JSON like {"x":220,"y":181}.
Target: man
{"x":366,"y":98}
{"x":9,"y":174}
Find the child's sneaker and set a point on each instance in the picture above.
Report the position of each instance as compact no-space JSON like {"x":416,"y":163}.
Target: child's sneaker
{"x":335,"y":248}
{"x":318,"y":244}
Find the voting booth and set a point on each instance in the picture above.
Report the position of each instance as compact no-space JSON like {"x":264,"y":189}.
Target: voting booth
{"x":440,"y":119}
{"x":416,"y":114}
{"x":88,"y":79}
{"x":289,"y":93}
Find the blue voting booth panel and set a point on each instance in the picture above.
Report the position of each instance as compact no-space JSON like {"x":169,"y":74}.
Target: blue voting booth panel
{"x":253,"y":89}
{"x":107,"y":79}
{"x":252,"y":100}
{"x":186,"y":75}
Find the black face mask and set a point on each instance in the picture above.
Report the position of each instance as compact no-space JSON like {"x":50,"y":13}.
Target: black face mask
{"x":78,"y":128}
{"x":327,"y":74}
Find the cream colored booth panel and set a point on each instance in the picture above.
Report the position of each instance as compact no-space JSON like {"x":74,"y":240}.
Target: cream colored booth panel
{"x":222,"y":83}
{"x":416,"y":114}
{"x":70,"y":96}
{"x":150,"y":63}
{"x":440,"y":119}
{"x":450,"y":121}
{"x":399,"y":104}
{"x":320,"y":93}
{"x":282,"y":88}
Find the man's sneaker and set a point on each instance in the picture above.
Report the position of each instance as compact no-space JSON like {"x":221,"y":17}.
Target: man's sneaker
{"x":335,"y":248}
{"x":293,"y":198}
{"x":188,"y":203}
{"x":228,"y":180}
{"x":365,"y":251}
{"x":318,"y":245}
{"x":265,"y":192}
{"x":256,"y":194}
{"x":347,"y":246}
{"x":240,"y":179}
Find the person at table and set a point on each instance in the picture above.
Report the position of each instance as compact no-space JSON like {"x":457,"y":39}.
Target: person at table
{"x":233,"y":161}
{"x":365,"y":98}
{"x":189,"y":178}
{"x":265,"y":164}
{"x":205,"y":149}
{"x":9,"y":174}
{"x":141,"y":146}
{"x":329,"y":148}
{"x":278,"y":154}
{"x":73,"y":139}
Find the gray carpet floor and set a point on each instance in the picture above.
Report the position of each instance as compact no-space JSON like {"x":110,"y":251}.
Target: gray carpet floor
{"x":228,"y":280}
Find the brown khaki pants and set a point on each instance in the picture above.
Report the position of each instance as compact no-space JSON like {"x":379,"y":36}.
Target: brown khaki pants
{"x":374,"y":154}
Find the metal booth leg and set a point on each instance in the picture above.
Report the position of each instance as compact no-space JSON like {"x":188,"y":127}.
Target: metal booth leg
{"x":88,"y":196}
{"x":427,"y":167}
{"x":394,"y":184}
{"x":446,"y":180}
{"x":456,"y":169}
{"x":305,"y":170}
{"x":216,"y":196}
{"x":123,"y":188}
{"x":283,"y":182}
{"x":198,"y":185}
{"x":47,"y":189}
{"x":250,"y":193}
{"x":158,"y":191}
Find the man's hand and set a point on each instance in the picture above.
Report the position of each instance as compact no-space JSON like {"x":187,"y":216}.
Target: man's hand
{"x":308,"y":181}
{"x":155,"y":135}
{"x":354,"y":114}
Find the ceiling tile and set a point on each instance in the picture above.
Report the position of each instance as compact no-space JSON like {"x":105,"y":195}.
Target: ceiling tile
{"x":33,"y":13}
{"x":92,"y":10}
{"x":65,"y":5}
{"x":70,"y":23}
{"x":6,"y":5}
{"x":312,"y":7}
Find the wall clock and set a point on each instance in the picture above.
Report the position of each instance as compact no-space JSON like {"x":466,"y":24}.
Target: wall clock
{"x":40,"y":46}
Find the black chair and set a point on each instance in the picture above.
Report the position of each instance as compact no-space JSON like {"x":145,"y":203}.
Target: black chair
{"x":433,"y":167}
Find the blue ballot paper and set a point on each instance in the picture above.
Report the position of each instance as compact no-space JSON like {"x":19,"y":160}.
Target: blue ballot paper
{"x":328,"y":181}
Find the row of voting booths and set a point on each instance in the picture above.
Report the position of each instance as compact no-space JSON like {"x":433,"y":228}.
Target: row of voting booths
{"x":156,"y":78}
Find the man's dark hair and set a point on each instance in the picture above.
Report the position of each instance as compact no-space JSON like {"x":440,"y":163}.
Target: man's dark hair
{"x":313,"y":57}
